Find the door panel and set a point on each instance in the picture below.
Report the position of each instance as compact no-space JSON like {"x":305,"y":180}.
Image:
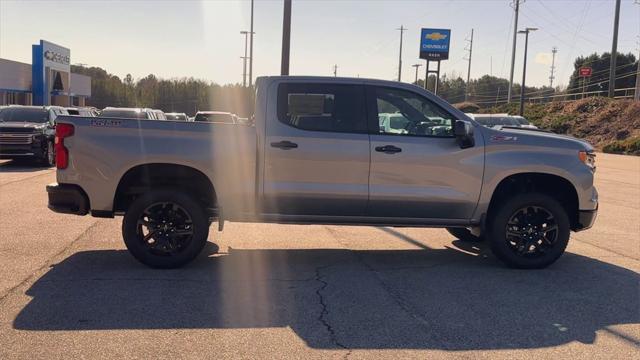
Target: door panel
{"x":426,"y":174}
{"x":317,"y":151}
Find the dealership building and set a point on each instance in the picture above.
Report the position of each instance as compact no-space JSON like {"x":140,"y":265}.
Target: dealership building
{"x":48,"y":80}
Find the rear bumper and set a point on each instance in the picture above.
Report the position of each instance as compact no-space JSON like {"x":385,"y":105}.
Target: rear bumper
{"x":586,"y":218}
{"x":68,"y":199}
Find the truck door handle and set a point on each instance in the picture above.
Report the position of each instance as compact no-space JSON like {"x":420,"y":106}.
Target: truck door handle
{"x":388,"y":149}
{"x":284,"y":145}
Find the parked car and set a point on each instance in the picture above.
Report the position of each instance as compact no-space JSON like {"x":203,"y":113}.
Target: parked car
{"x":158,"y":114}
{"x":27,"y":132}
{"x":318,"y":155}
{"x":177,"y":116}
{"x":500,"y":120}
{"x":82,"y":111}
{"x":129,"y":113}
{"x":243,"y":121}
{"x":219,"y":117}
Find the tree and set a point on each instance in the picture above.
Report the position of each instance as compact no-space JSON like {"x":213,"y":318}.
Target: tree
{"x":626,"y":66}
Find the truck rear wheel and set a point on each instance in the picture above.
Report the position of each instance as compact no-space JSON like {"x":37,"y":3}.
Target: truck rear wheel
{"x":464,"y":234}
{"x":165,"y":229}
{"x":530,"y":231}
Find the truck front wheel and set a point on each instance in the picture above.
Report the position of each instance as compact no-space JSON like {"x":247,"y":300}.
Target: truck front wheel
{"x":529,"y":231}
{"x":165,"y":228}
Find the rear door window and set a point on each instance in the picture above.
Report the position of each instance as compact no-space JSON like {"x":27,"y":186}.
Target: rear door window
{"x":322,"y":107}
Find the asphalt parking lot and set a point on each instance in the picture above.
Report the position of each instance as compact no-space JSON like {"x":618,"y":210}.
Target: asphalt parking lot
{"x":69,"y":289}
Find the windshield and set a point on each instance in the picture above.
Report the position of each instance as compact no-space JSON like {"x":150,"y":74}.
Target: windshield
{"x":132,"y":114}
{"x":37,"y":115}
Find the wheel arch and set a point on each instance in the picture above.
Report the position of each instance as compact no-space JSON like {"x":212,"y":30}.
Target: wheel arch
{"x":553,"y":185}
{"x":144,"y":177}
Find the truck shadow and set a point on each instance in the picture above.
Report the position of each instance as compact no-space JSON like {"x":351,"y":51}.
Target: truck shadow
{"x":452,"y":299}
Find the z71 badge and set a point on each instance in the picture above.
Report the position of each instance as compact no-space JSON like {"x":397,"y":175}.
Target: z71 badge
{"x":503,"y":138}
{"x":106,"y":123}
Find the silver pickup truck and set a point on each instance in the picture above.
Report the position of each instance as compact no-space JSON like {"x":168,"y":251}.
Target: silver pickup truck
{"x":319,"y":154}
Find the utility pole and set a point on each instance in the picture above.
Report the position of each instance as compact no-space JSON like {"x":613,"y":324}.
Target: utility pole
{"x":251,"y":47}
{"x":244,"y":59}
{"x":554,"y":50}
{"x":513,"y":48}
{"x":416,"y":66}
{"x":614,"y":52}
{"x":335,"y":70}
{"x":470,"y":49}
{"x":402,"y":30}
{"x":636,"y":95}
{"x":524,"y":66}
{"x":286,"y":38}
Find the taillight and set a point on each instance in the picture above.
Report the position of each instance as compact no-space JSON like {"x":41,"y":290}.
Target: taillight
{"x":62,"y":154}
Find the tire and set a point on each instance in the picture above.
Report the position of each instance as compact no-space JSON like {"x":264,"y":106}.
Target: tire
{"x":531,"y":242}
{"x":464,"y":234}
{"x":49,"y":157}
{"x":165,"y":229}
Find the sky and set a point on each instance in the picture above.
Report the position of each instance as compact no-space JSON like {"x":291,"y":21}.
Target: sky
{"x":201,"y":39}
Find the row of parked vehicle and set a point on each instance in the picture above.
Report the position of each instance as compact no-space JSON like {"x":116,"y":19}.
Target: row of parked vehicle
{"x":28,"y":132}
{"x":220,"y":117}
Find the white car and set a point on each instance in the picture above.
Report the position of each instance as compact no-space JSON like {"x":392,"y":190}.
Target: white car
{"x":502,"y":120}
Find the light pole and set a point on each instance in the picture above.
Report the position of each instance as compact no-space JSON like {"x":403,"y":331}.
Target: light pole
{"x":251,"y":47}
{"x":416,"y":66}
{"x":524,"y":67}
{"x":286,"y":38}
{"x":244,"y":59}
{"x":402,"y":29}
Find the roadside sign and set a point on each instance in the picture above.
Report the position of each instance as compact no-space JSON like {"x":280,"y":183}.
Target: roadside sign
{"x":434,"y":44}
{"x":585,"y":71}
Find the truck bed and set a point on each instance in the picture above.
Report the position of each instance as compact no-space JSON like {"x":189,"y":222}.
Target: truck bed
{"x":102,"y":150}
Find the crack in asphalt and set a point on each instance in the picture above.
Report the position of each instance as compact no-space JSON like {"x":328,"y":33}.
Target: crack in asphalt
{"x":47,"y":263}
{"x":425,"y":325}
{"x":325,"y":311}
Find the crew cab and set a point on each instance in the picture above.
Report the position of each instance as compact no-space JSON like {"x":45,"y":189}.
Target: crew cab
{"x":319,"y":154}
{"x":27,"y":132}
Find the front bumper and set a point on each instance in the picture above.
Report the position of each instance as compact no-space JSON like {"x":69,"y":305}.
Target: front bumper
{"x":15,"y":151}
{"x":67,"y":199}
{"x":586,"y":218}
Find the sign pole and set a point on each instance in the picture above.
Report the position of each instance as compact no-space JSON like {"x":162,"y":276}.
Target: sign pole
{"x":426,"y":76}
{"x":435,"y":88}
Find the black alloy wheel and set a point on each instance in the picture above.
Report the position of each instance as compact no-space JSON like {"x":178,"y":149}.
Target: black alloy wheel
{"x":165,"y":228}
{"x":529,"y":231}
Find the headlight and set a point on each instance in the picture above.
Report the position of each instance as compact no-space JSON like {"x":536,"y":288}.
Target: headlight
{"x":588,"y":158}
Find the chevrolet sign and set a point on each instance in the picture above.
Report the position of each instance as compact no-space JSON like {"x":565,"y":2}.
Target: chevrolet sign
{"x":434,"y":44}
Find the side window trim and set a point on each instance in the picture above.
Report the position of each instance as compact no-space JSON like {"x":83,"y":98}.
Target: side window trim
{"x":360,"y":88}
{"x":372,"y":112}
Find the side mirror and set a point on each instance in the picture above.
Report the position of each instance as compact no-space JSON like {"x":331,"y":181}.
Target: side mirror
{"x":463,"y":130}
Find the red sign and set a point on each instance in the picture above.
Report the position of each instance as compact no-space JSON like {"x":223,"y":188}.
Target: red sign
{"x":585,"y":71}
